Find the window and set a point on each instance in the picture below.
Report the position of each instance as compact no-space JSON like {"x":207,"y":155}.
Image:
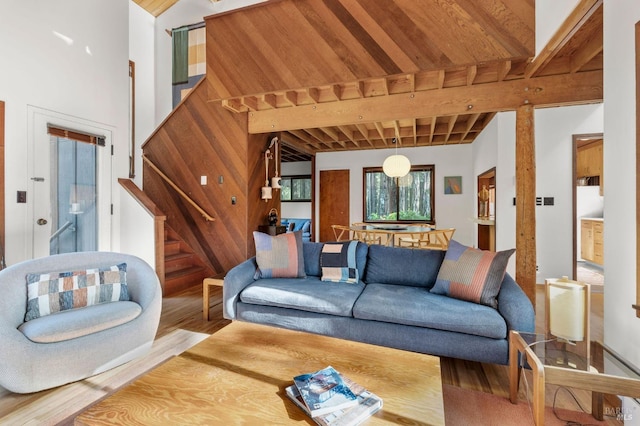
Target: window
{"x":406,"y":199}
{"x":295,"y":188}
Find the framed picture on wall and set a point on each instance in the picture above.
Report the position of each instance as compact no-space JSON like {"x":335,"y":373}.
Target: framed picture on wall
{"x":453,"y":184}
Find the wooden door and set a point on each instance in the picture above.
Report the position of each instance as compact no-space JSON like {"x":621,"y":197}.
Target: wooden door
{"x":334,"y":201}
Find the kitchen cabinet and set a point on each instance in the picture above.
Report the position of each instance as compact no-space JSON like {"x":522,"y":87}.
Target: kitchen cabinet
{"x":591,"y":244}
{"x":589,"y":162}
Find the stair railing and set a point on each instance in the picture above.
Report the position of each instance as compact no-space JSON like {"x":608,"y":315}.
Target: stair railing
{"x":195,"y":205}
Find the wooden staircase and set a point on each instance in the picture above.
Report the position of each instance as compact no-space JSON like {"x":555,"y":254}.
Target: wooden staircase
{"x":183,"y":269}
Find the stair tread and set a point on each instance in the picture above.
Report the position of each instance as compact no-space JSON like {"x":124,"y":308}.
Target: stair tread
{"x":176,"y":256}
{"x":184,"y":271}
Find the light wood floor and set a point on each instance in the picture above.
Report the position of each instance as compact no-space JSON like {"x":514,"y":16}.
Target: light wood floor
{"x":184,"y":311}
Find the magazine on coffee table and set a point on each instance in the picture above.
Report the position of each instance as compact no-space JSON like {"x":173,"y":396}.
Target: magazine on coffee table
{"x":368,"y":404}
{"x":324,"y":391}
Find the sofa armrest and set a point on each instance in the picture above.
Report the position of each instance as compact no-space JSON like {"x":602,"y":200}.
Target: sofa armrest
{"x":515,"y":307}
{"x":235,"y":281}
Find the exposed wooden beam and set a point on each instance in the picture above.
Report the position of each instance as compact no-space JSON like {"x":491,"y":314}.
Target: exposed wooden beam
{"x":569,"y":27}
{"x":250,"y":102}
{"x":270,"y":99}
{"x":526,"y":201}
{"x":234,"y":105}
{"x":292,"y":97}
{"x":380,"y":130}
{"x":349,"y":134}
{"x":364,"y":132}
{"x":584,"y":87}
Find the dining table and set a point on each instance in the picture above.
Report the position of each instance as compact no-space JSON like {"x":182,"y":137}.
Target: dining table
{"x":389,"y":233}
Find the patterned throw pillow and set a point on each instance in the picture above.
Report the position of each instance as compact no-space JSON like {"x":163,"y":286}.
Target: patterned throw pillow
{"x":338,"y":262}
{"x":280,"y":256}
{"x":49,"y":293}
{"x":471,"y":274}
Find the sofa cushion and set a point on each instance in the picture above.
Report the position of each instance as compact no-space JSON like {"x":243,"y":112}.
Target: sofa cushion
{"x":307,"y":294}
{"x":403,"y":266}
{"x":313,"y":250}
{"x":279,"y":256}
{"x":471,"y":274}
{"x":52,"y":292}
{"x":338,"y":262}
{"x":416,"y":307}
{"x":79,"y":322}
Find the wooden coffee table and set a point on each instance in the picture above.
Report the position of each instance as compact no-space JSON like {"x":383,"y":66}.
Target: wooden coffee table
{"x":238,"y":376}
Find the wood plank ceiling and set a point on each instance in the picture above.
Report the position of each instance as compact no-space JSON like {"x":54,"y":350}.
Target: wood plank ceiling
{"x":360,"y":74}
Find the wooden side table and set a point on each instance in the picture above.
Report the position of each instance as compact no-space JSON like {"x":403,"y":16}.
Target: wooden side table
{"x":206,"y":283}
{"x":272,"y":229}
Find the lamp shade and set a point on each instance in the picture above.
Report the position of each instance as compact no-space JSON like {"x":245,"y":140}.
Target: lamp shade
{"x":396,"y":166}
{"x":567,"y":309}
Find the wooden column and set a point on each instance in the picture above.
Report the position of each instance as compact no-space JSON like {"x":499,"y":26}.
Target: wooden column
{"x":526,"y":201}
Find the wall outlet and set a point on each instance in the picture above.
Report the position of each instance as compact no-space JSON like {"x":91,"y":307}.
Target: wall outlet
{"x":203,"y":180}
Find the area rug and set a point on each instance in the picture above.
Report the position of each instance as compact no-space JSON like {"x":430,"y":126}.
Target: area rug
{"x":467,"y":407}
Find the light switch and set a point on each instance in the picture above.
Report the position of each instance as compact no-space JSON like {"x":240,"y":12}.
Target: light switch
{"x":203,"y":180}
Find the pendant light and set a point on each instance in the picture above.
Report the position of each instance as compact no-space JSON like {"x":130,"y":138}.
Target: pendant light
{"x":396,"y":165}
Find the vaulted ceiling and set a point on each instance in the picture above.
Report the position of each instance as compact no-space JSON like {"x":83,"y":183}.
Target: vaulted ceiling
{"x":359,"y":74}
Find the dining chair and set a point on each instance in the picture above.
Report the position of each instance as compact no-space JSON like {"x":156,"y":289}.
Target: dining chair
{"x":437,"y":239}
{"x":370,"y":236}
{"x":342,"y":232}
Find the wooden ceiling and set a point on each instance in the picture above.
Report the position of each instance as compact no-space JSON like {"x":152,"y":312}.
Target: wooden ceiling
{"x":155,"y":7}
{"x":334,"y":75}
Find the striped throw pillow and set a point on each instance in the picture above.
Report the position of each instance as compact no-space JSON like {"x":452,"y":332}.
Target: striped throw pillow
{"x":471,"y":274}
{"x":48,"y":293}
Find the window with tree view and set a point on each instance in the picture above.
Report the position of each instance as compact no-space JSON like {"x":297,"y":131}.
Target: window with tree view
{"x":295,"y":188}
{"x":406,"y":199}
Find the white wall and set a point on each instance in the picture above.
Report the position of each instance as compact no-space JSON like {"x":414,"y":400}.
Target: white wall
{"x":550,"y":14}
{"x":85,"y":79}
{"x":554,"y":149}
{"x":621,"y":327}
{"x":299,"y":210}
{"x":554,"y":128}
{"x":138,"y":230}
{"x":141,"y":52}
{"x":452,"y":211}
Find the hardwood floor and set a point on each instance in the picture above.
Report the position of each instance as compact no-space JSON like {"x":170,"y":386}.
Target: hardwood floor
{"x":184,"y":311}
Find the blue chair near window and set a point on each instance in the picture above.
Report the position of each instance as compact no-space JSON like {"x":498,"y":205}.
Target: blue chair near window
{"x":303,"y":225}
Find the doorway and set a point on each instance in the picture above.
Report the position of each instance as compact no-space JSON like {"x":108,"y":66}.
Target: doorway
{"x":486,"y":220}
{"x":70,"y":184}
{"x":588,"y":210}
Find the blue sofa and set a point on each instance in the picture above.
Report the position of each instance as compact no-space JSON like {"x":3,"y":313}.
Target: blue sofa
{"x":390,"y":305}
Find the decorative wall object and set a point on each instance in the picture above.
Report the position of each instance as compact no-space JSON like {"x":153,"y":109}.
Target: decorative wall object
{"x":453,"y":184}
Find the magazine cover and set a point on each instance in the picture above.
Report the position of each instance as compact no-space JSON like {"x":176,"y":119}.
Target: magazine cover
{"x":368,"y":404}
{"x":324,"y":391}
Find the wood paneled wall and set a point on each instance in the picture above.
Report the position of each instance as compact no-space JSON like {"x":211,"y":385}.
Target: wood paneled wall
{"x":201,"y":138}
